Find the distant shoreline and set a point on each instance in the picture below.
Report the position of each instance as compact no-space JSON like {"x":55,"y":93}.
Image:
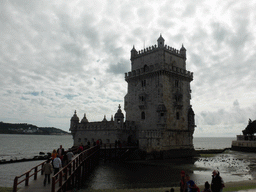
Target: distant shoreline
{"x":35,"y":133}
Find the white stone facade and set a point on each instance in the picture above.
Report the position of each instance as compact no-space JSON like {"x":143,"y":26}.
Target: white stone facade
{"x":158,"y":112}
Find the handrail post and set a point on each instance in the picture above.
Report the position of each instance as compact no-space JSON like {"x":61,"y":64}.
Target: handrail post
{"x":53,"y":184}
{"x":70,"y":167}
{"x":66,"y":173}
{"x":42,"y":172}
{"x":27,"y":178}
{"x":15,"y":184}
{"x":60,"y":179}
{"x":35,"y":173}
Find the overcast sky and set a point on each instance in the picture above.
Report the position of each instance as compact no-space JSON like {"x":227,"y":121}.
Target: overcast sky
{"x":60,"y":56}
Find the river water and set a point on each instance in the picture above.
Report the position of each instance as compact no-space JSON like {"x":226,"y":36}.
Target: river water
{"x":234,"y":166}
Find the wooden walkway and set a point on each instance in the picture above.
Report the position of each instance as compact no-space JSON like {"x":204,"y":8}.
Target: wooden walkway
{"x":69,"y":177}
{"x":36,"y":185}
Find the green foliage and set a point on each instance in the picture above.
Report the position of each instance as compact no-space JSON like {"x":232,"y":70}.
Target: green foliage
{"x":5,"y":189}
{"x":24,"y":128}
{"x":237,"y":188}
{"x":207,"y":155}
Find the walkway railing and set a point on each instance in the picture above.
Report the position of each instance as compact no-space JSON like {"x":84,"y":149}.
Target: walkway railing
{"x":72,"y":175}
{"x":68,"y":175}
{"x":25,"y":176}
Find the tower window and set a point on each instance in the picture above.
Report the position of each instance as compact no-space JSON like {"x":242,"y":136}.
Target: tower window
{"x":142,"y":98}
{"x":177,"y":115}
{"x":142,"y":115}
{"x":176,"y":83}
{"x":162,"y":114}
{"x":143,"y":83}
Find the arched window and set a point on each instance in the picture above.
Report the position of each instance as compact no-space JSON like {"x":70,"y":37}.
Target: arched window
{"x":142,"y":115}
{"x":145,"y":68}
{"x":176,"y":83}
{"x":143,"y":83}
{"x":177,"y":115}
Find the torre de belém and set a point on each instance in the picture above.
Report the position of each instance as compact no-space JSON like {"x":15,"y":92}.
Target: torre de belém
{"x":159,"y":117}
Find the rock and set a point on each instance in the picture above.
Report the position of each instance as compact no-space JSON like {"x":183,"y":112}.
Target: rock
{"x":41,"y":153}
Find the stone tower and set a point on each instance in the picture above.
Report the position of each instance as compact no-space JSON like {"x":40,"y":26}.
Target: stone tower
{"x":158,"y":99}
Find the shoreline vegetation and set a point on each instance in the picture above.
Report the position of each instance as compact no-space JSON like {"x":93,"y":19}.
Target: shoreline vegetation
{"x":230,"y":186}
{"x":29,"y":129}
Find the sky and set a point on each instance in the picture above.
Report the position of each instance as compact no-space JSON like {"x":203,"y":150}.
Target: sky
{"x":60,"y":56}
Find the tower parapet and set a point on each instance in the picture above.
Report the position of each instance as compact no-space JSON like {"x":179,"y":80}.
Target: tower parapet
{"x":157,"y":68}
{"x":154,"y":48}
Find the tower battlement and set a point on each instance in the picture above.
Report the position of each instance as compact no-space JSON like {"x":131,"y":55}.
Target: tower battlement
{"x":156,"y":68}
{"x":154,"y":48}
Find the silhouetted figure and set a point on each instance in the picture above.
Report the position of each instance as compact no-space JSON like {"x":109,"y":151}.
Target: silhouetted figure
{"x":216,"y":185}
{"x":183,"y":182}
{"x":47,"y":169}
{"x":60,"y":152}
{"x":207,"y":187}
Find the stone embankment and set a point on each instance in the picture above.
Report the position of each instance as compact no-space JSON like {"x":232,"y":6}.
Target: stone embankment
{"x":41,"y":156}
{"x":211,"y":151}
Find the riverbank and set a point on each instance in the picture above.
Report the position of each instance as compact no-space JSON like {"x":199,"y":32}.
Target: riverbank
{"x":241,"y":186}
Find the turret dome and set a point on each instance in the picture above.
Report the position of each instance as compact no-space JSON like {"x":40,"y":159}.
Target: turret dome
{"x":119,"y":113}
{"x":75,"y":118}
{"x":84,"y":120}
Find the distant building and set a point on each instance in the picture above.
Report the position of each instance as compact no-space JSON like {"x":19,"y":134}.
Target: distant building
{"x":159,"y":116}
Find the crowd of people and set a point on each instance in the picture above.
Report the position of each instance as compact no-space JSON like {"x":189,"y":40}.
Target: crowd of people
{"x":188,"y":185}
{"x":59,"y":158}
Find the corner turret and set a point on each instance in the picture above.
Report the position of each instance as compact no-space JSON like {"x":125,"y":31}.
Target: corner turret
{"x":119,"y":117}
{"x":133,"y":53}
{"x":183,"y":52}
{"x":73,"y":122}
{"x":160,"y":42}
{"x":84,"y":120}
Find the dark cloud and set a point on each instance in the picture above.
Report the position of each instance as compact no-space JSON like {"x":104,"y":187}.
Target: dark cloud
{"x":120,"y":67}
{"x":56,"y":57}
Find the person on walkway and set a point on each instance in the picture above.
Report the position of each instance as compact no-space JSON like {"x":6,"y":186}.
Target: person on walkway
{"x":191,"y":185}
{"x":47,"y":169}
{"x":207,"y":187}
{"x":183,"y":183}
{"x":57,"y":164}
{"x":54,"y":154}
{"x":216,"y":185}
{"x":80,"y":148}
{"x":64,"y":160}
{"x":60,"y":152}
{"x":69,"y":156}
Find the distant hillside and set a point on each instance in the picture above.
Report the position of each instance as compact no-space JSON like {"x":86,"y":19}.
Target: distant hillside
{"x":24,"y":128}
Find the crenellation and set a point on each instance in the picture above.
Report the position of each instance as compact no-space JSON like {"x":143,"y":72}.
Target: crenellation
{"x":155,"y":68}
{"x":151,"y":49}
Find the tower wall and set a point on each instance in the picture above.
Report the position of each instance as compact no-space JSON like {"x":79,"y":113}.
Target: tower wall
{"x":158,"y":98}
